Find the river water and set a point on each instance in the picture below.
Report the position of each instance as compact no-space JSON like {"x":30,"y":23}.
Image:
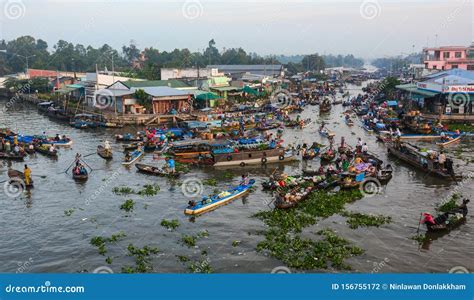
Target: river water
{"x":38,"y":236}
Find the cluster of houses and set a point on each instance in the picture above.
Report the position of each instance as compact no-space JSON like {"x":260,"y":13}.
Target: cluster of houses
{"x":179,"y":91}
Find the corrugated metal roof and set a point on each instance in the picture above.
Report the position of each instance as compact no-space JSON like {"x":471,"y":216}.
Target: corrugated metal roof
{"x":413,"y":89}
{"x":162,"y":91}
{"x":173,"y":83}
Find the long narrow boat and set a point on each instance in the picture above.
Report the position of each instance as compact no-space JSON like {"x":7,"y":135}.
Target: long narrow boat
{"x":152,"y":170}
{"x":214,"y":201}
{"x":58,"y":143}
{"x":349,"y":122}
{"x":80,"y":177}
{"x":253,"y":157}
{"x":289,"y":200}
{"x":134,"y":156}
{"x":421,"y":137}
{"x":412,"y":156}
{"x":447,"y":220}
{"x":451,"y":141}
{"x":104,"y":153}
{"x":15,"y":174}
{"x":46,"y":151}
{"x":12,"y":156}
{"x":128,"y":138}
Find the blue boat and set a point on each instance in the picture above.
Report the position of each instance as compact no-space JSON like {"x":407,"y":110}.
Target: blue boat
{"x":134,"y":156}
{"x":214,"y":201}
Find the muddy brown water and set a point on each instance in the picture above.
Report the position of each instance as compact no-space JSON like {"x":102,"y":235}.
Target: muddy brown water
{"x":37,"y":235}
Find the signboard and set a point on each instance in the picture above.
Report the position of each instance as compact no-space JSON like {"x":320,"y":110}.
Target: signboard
{"x":459,"y":89}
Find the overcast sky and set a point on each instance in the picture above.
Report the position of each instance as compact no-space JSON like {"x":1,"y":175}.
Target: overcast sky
{"x":368,"y":29}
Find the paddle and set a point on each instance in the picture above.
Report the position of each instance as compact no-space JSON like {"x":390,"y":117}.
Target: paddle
{"x":41,"y":176}
{"x":68,"y":167}
{"x":419,"y":223}
{"x":90,"y":154}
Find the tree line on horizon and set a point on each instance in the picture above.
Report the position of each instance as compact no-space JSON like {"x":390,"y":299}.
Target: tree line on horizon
{"x":146,"y":63}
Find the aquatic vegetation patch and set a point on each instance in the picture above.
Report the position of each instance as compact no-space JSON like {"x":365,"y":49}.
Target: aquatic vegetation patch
{"x":123,"y":190}
{"x":170,"y":225}
{"x":236,"y":243}
{"x":69,"y":212}
{"x":420,"y":238}
{"x":149,"y":190}
{"x":202,"y":265}
{"x":210,"y":182}
{"x":283,"y":242}
{"x":356,"y":220}
{"x":307,"y":254}
{"x":190,"y":240}
{"x":100,"y":242}
{"x":142,"y":259}
{"x":127,"y":205}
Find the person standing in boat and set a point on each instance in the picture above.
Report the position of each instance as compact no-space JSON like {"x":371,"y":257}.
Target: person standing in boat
{"x":170,"y":165}
{"x":107,"y":146}
{"x":365,"y":148}
{"x":441,"y":160}
{"x":359,"y":145}
{"x":27,"y":173}
{"x":245,"y":180}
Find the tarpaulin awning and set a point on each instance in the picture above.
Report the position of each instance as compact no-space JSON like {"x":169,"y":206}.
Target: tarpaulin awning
{"x":250,"y":90}
{"x":206,"y":96}
{"x":412,"y":88}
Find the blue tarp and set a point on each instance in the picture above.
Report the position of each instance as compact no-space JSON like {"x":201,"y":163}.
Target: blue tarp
{"x":392,"y":103}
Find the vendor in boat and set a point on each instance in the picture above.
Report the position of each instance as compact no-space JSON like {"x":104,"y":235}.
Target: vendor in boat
{"x":52,"y":149}
{"x":365,"y":148}
{"x":359,"y":145}
{"x":128,"y":157}
{"x":57,"y":138}
{"x":245,"y":180}
{"x":441,"y":159}
{"x":27,"y":173}
{"x":107,"y":146}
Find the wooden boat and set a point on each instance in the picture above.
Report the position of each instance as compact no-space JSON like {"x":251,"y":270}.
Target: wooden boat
{"x":411,"y":155}
{"x":326,"y":133}
{"x":416,"y":137}
{"x":253,"y":157}
{"x":14,"y":175}
{"x":447,"y":220}
{"x":151,"y":170}
{"x":337,"y":102}
{"x":134,"y":156}
{"x":268,"y":127}
{"x":451,"y":141}
{"x":46,"y":151}
{"x":149,"y":147}
{"x":128,"y":138}
{"x":56,"y":143}
{"x":384,"y":136}
{"x":349,"y":122}
{"x":324,"y":108}
{"x":314,"y":102}
{"x":289,"y":200}
{"x":12,"y":156}
{"x":367,"y":128}
{"x":214,"y":201}
{"x":385,"y":175}
{"x":311,"y":153}
{"x":326,"y":156}
{"x":104,"y":153}
{"x":130,"y":147}
{"x":80,"y":177}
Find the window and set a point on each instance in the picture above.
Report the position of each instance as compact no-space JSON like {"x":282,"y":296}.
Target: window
{"x":470,"y":67}
{"x":435,"y":67}
{"x":470,"y":53}
{"x":446,"y":54}
{"x":454,"y":66}
{"x":457,"y":54}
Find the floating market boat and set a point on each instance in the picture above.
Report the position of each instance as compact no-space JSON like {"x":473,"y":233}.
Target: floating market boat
{"x":214,"y":201}
{"x":104,"y":153}
{"x":447,"y":220}
{"x":326,"y":133}
{"x":268,"y":127}
{"x":12,"y":156}
{"x":67,"y":142}
{"x":349,"y":122}
{"x":134,"y":156}
{"x":421,"y":137}
{"x":45,"y":150}
{"x":253,"y":157}
{"x":291,"y":198}
{"x":328,"y":155}
{"x":80,"y":177}
{"x":412,"y":155}
{"x":14,"y":175}
{"x":130,"y":147}
{"x":453,"y":140}
{"x":128,"y":138}
{"x":152,"y":170}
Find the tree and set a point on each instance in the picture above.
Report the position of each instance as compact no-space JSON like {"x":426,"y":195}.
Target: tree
{"x":313,"y":62}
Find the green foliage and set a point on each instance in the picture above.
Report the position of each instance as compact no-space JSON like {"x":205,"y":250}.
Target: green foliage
{"x":356,"y":220}
{"x":170,"y":225}
{"x":149,"y":190}
{"x":68,"y":212}
{"x":210,"y":182}
{"x":142,"y":259}
{"x":461,"y":127}
{"x":189,"y":240}
{"x":127,"y":205}
{"x":100,"y":242}
{"x":450,"y":204}
{"x":124,"y":190}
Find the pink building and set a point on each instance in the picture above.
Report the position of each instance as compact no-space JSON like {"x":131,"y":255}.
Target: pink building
{"x":449,"y":57}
